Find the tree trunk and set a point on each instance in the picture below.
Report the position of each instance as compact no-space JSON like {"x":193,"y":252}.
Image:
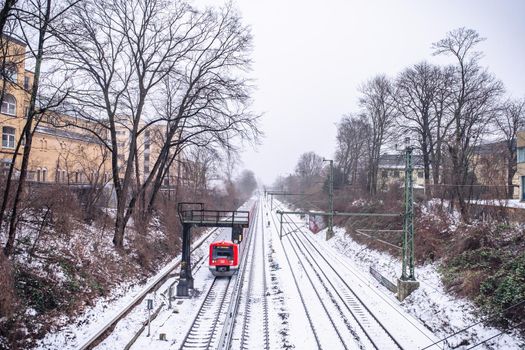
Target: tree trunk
{"x":9,"y":247}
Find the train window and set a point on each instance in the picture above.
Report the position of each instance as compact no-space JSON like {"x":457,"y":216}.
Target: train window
{"x":222,"y":252}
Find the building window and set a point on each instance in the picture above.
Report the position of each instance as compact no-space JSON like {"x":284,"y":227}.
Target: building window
{"x":396,"y":174}
{"x":8,"y":105}
{"x":26,"y":83}
{"x":44,"y":175}
{"x":384,"y":174}
{"x":522,"y":195}
{"x":521,"y":155}
{"x":5,"y":165}
{"x":38,"y":174}
{"x":10,"y":72}
{"x":8,"y":137}
{"x":420,"y":174}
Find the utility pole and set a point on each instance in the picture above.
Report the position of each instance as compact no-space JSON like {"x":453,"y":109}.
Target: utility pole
{"x":330,"y":231}
{"x":408,"y":224}
{"x":407,"y":283}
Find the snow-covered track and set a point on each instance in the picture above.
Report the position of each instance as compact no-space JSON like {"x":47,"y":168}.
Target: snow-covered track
{"x":249,"y":323}
{"x":203,"y":330}
{"x":266,"y":324}
{"x":230,"y":322}
{"x":345,"y":298}
{"x":360,"y":321}
{"x":158,"y":281}
{"x":301,"y":296}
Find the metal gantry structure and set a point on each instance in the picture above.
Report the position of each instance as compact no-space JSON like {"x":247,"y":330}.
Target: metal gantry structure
{"x":272,"y":193}
{"x":194,"y":215}
{"x":407,"y":273}
{"x":407,"y":283}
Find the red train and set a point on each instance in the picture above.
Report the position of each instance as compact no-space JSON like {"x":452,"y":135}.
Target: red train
{"x":224,"y":258}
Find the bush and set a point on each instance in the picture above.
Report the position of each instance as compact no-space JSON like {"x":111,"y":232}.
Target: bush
{"x":505,"y":288}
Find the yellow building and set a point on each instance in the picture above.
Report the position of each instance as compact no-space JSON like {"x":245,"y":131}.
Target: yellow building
{"x":149,"y":144}
{"x":520,"y":173}
{"x":490,"y":167}
{"x":392,"y":170}
{"x":58,"y":154}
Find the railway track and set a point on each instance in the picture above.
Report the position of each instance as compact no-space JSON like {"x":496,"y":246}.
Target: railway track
{"x":248,"y":326}
{"x":203,"y":330}
{"x":157,"y":283}
{"x":213,"y":325}
{"x":301,"y":296}
{"x":363,"y":325}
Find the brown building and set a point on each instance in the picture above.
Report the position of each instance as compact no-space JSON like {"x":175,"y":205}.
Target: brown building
{"x":66,"y":155}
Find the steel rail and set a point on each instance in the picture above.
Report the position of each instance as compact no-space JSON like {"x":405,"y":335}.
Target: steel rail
{"x":299,"y":291}
{"x":202,"y":310}
{"x":380,"y":295}
{"x":229,"y":322}
{"x":98,"y":336}
{"x":317,"y":294}
{"x":128,"y":346}
{"x":355,"y":295}
{"x":265,"y":288}
{"x":248,"y":293}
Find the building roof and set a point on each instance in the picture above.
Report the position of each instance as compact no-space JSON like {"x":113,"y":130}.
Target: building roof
{"x":15,"y":40}
{"x":397,"y":161}
{"x":491,"y":147}
{"x":53,"y":131}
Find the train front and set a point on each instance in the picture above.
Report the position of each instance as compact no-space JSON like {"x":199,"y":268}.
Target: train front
{"x":224,"y":258}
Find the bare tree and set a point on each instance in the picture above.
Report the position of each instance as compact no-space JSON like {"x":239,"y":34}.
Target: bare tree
{"x":419,"y":100}
{"x":6,"y":12}
{"x":474,"y":98}
{"x":309,"y":168}
{"x":246,"y":183}
{"x":35,"y":19}
{"x":353,"y":134}
{"x":377,"y":105}
{"x":508,"y":122}
{"x":127,"y":54}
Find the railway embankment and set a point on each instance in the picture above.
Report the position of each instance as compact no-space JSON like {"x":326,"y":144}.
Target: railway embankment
{"x":65,"y":265}
{"x":481,"y":261}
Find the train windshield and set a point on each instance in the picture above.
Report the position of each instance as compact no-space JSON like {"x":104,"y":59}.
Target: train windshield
{"x":222,"y":252}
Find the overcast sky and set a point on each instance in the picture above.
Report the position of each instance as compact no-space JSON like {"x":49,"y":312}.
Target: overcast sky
{"x":310,"y":58}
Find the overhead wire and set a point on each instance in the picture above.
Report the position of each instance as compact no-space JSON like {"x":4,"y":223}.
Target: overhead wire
{"x":485,"y":319}
{"x":494,"y":336}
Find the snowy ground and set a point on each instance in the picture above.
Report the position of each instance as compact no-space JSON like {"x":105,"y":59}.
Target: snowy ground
{"x":442,"y":313}
{"x":326,"y":286}
{"x":87,"y":324}
{"x":509,"y":203}
{"x":302,"y":318}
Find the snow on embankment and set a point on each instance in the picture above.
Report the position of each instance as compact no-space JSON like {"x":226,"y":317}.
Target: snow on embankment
{"x":442,"y":313}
